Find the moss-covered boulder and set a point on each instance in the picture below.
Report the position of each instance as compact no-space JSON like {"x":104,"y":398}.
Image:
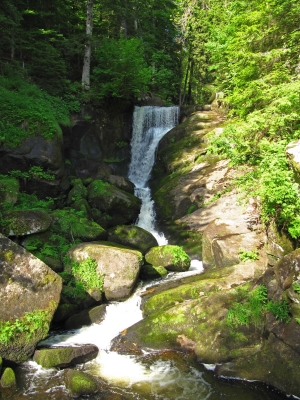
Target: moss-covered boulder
{"x":77,"y":192}
{"x":173,"y":258}
{"x":63,"y":357}
{"x":8,"y":378}
{"x":26,"y":222}
{"x":79,"y":383}
{"x":86,"y":317}
{"x":121,"y":183}
{"x":132,"y":236}
{"x":119,"y":265}
{"x":72,"y":225}
{"x":29,"y":295}
{"x":123,"y":207}
{"x":9,"y":190}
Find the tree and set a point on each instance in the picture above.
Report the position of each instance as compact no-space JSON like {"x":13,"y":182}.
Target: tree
{"x":88,"y":46}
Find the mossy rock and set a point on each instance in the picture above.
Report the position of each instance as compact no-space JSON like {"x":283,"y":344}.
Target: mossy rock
{"x":72,"y":225}
{"x":29,"y":292}
{"x":26,"y":222}
{"x":78,"y":192}
{"x":120,"y":205}
{"x":0,"y":365}
{"x":132,"y":236}
{"x":8,"y":378}
{"x":79,"y":383}
{"x":152,"y":272}
{"x":120,"y":266}
{"x":171,"y":257}
{"x":63,"y":357}
{"x":83,"y":207}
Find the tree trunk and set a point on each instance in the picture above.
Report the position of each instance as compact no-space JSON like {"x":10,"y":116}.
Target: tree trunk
{"x":88,"y":46}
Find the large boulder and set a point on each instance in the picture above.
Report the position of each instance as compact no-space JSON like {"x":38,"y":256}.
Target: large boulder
{"x":66,"y":356}
{"x":132,"y":236}
{"x":171,"y":257}
{"x":29,"y":294}
{"x":119,"y":265}
{"x":26,"y":222}
{"x":123,"y":207}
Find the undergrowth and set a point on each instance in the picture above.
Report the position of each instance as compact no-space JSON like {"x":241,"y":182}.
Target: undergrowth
{"x":251,"y":307}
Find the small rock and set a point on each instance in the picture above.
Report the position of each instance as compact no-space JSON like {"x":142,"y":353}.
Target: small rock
{"x":8,"y":378}
{"x":80,"y":383}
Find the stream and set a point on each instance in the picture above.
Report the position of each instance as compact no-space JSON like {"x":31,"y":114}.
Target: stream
{"x":152,"y":375}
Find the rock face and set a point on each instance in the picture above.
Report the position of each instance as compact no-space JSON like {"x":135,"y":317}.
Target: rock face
{"x":119,"y":265}
{"x":63,"y":357}
{"x":132,"y":236}
{"x":37,"y":151}
{"x":29,"y":294}
{"x":293,"y":151}
{"x":243,"y":313}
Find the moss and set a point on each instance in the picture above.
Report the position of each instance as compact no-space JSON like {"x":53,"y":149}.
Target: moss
{"x":80,"y":383}
{"x":8,"y":378}
{"x":20,"y":335}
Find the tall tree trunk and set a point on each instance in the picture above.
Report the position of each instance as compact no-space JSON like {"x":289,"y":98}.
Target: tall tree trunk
{"x":183,"y":93}
{"x":88,"y":46}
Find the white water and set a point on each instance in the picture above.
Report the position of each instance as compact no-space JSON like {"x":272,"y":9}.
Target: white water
{"x":150,"y":124}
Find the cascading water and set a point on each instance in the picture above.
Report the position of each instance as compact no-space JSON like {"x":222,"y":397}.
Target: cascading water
{"x":150,"y":124}
{"x":147,"y":377}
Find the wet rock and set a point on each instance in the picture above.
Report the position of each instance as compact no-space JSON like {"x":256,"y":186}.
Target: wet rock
{"x":63,"y":357}
{"x":132,"y":236}
{"x":80,"y":384}
{"x":86,"y":317}
{"x":26,"y":222}
{"x":119,"y":265}
{"x":276,"y":364}
{"x":173,"y":258}
{"x":29,"y":294}
{"x":8,"y":378}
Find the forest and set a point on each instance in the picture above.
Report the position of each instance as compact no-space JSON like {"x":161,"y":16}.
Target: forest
{"x":71,"y":73}
{"x":181,"y":51}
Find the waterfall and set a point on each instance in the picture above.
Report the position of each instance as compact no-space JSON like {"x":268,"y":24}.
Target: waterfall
{"x":150,"y":124}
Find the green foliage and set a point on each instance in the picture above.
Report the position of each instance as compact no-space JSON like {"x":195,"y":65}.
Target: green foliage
{"x":35,"y":172}
{"x":250,"y":311}
{"x":179,"y":255}
{"x":251,"y":307}
{"x":28,"y":325}
{"x":296,"y":287}
{"x":26,"y":110}
{"x":80,"y":278}
{"x":280,"y":309}
{"x":87,"y":273}
{"x":120,"y":69}
{"x":245,"y":255}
